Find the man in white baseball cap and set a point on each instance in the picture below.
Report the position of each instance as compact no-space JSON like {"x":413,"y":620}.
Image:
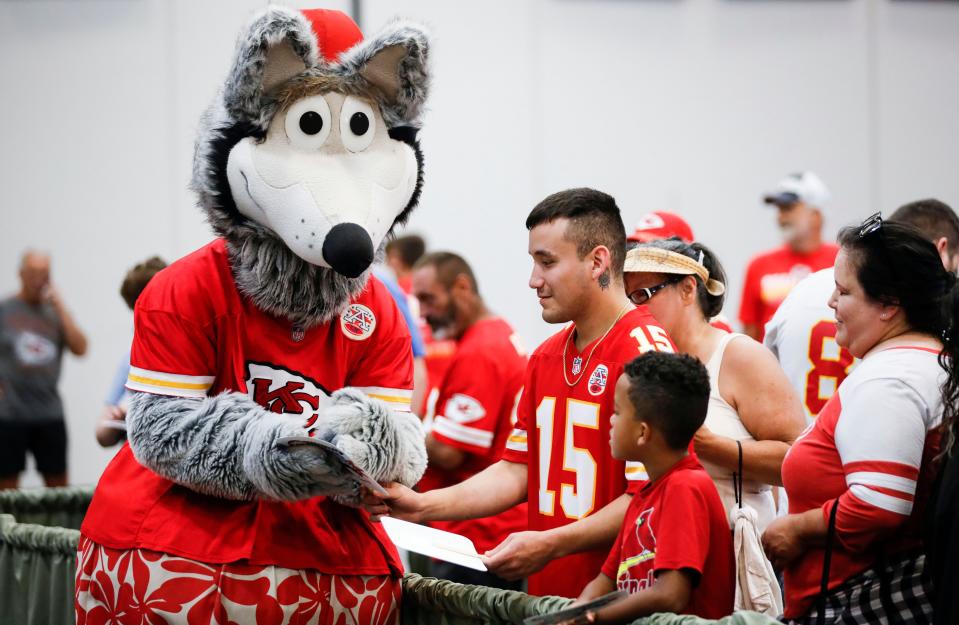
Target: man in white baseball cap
{"x":801,"y":200}
{"x":802,"y":188}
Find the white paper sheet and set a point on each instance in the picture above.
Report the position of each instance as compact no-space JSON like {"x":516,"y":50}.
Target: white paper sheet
{"x":433,"y":542}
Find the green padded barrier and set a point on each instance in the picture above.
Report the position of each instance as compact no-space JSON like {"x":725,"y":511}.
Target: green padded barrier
{"x":37,"y":571}
{"x":38,"y":567}
{"x":56,"y":507}
{"x":428,"y":601}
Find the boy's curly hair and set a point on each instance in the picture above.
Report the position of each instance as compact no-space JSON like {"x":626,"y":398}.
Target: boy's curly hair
{"x":671,"y":393}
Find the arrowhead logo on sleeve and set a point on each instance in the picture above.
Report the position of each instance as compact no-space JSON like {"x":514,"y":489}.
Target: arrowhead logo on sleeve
{"x":463,"y":409}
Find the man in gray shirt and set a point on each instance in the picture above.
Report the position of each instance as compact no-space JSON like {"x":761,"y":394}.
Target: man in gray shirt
{"x":34,"y":328}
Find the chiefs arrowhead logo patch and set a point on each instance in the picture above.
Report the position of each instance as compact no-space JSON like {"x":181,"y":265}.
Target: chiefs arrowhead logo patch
{"x":357,"y":322}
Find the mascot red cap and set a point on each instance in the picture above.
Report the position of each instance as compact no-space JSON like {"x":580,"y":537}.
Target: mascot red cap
{"x":334,"y":30}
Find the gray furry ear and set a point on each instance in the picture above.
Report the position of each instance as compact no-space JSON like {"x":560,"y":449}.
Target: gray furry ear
{"x":395,"y":64}
{"x":276,"y":46}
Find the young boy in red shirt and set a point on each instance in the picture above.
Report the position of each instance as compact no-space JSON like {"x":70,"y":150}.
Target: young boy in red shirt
{"x":674,"y":552}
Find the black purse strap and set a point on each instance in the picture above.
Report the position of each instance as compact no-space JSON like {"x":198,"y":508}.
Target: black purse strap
{"x":826,"y":562}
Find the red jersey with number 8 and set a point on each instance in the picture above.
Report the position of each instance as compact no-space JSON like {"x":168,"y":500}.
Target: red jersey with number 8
{"x":562,"y":434}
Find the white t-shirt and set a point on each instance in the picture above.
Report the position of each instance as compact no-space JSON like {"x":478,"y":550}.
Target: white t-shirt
{"x":802,"y":335}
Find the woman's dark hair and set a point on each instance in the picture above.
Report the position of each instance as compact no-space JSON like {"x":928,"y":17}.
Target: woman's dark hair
{"x":897,"y":265}
{"x":710,"y":305}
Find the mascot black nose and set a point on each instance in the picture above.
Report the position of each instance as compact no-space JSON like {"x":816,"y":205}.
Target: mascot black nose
{"x":348,"y":249}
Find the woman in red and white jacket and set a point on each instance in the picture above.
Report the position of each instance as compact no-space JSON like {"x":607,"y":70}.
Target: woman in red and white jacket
{"x":871,"y":451}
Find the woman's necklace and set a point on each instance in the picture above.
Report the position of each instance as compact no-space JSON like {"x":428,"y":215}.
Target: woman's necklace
{"x":579,"y":367}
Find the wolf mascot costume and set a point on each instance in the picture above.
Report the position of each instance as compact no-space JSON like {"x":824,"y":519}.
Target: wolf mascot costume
{"x":305,"y":162}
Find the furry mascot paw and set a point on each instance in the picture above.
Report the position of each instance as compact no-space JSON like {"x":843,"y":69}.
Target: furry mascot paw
{"x":388,"y":445}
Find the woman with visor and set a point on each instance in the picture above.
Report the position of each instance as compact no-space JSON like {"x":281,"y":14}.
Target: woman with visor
{"x":753,"y":415}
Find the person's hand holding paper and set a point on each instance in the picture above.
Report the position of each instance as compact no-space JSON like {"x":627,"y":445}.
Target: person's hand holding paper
{"x":400,"y":502}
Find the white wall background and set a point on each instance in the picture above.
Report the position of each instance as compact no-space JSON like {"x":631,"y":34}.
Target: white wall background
{"x":694,"y":106}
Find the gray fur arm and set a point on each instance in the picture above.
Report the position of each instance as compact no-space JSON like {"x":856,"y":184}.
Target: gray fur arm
{"x":389,"y":445}
{"x":226,"y":446}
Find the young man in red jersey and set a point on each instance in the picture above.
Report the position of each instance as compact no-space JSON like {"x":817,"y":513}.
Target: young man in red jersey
{"x":674,"y":552}
{"x":475,"y":401}
{"x":558,"y":456}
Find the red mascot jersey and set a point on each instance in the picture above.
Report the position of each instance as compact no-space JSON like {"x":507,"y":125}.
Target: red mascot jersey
{"x":197,"y":336}
{"x":562,"y":434}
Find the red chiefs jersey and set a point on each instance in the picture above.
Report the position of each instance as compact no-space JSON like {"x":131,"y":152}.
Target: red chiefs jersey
{"x":475,"y":414}
{"x":438,"y":359}
{"x":439,"y":356}
{"x":770,"y":277}
{"x":678,"y":522}
{"x":562,"y":434}
{"x":197,"y":336}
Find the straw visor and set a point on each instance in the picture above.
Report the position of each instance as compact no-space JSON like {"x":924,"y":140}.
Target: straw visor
{"x":658,"y":260}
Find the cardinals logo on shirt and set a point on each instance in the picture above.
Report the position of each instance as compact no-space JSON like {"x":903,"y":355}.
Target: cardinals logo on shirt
{"x":597,"y":381}
{"x":285,"y":392}
{"x":357,"y":322}
{"x":646,"y":541}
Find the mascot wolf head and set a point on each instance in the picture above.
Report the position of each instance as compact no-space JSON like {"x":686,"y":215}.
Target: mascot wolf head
{"x":308,"y":156}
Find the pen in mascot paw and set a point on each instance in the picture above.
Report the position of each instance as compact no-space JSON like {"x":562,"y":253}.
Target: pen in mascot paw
{"x":305,"y":162}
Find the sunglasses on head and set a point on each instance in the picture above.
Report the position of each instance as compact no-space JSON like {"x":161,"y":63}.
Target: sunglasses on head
{"x":870,"y":225}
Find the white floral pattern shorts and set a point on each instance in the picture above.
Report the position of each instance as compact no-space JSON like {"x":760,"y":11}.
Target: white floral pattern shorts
{"x":140,"y":587}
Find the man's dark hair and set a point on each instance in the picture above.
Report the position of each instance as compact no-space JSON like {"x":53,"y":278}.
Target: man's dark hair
{"x":671,"y":393}
{"x":409,"y":247}
{"x":594,"y":219}
{"x":138,"y":277}
{"x":933,"y":218}
{"x":448,"y":266}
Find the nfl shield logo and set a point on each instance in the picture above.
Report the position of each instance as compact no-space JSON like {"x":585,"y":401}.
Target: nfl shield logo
{"x":577,"y":365}
{"x":597,"y":381}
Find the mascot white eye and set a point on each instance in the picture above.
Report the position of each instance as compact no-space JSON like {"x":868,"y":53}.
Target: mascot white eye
{"x":308,"y":122}
{"x":357,"y":124}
